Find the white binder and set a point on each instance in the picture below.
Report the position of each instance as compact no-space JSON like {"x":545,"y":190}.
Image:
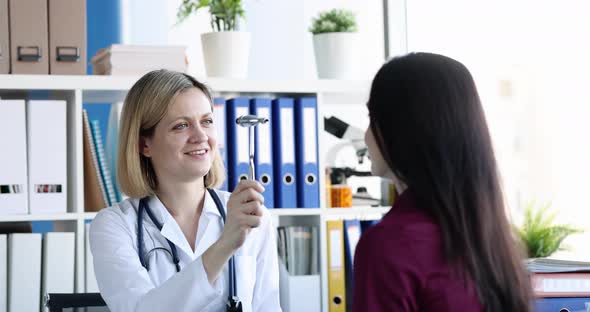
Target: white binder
{"x":3,"y":272}
{"x":58,"y":263}
{"x":47,"y":154}
{"x":91,"y":284}
{"x":293,"y":288}
{"x":24,"y":272}
{"x":13,"y":159}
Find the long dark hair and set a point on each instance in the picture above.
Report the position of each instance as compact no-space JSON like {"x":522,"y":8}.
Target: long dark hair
{"x":429,"y":124}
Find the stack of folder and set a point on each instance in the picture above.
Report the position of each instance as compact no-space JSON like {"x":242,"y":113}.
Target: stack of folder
{"x":34,"y":161}
{"x":343,"y":236}
{"x":286,"y":156}
{"x":42,"y":37}
{"x":32,"y":264}
{"x":120,"y":59}
{"x":560,"y":284}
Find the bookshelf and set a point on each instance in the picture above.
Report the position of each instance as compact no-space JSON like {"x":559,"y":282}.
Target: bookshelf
{"x":77,"y":90}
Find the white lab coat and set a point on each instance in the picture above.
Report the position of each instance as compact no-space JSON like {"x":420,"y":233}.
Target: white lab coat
{"x":127,"y":286}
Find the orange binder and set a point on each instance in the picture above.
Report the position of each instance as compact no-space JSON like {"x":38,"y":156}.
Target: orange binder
{"x":4,"y":44}
{"x":547,"y":285}
{"x":28,"y":37}
{"x":336,"y":273}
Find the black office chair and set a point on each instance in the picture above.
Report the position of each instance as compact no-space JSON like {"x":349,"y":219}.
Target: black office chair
{"x":58,"y":302}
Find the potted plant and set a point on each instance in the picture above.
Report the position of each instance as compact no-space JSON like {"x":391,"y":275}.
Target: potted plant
{"x":540,"y":236}
{"x":335,"y":44}
{"x":225,"y":49}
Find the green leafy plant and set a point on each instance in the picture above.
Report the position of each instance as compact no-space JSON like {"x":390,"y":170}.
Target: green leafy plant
{"x":224,"y":13}
{"x":335,"y":20}
{"x":539,"y":234}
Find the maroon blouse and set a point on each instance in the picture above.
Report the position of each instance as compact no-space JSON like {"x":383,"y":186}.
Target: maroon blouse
{"x":399,"y":265}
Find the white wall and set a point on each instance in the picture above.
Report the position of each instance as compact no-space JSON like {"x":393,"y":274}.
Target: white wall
{"x":281,"y":49}
{"x":281,"y":45}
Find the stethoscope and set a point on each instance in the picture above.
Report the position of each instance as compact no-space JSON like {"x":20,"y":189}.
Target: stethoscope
{"x":233,"y":302}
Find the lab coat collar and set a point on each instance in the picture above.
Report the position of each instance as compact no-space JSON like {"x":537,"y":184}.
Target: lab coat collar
{"x":171,"y":230}
{"x":158,"y":210}
{"x":209,"y":235}
{"x":209,"y":206}
{"x":163,"y":215}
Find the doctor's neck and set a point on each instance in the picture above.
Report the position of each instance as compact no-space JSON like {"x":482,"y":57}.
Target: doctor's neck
{"x":182,"y":199}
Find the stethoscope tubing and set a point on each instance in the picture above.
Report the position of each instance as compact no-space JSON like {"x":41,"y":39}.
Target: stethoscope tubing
{"x":143,"y":206}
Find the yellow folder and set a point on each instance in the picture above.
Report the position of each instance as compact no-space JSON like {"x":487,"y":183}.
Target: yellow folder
{"x":336,"y":274}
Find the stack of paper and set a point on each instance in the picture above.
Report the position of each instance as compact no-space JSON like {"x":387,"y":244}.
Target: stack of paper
{"x":544,"y":265}
{"x":120,"y":59}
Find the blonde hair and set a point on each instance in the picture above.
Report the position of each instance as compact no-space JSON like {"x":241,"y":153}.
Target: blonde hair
{"x":145,"y":105}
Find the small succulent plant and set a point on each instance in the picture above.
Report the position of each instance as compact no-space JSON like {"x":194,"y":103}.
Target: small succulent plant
{"x":225,"y":14}
{"x":335,"y":20}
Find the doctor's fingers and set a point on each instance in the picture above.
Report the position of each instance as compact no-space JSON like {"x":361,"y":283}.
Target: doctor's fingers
{"x":245,"y":184}
{"x":252,"y":208}
{"x":251,"y":221}
{"x":250,"y":195}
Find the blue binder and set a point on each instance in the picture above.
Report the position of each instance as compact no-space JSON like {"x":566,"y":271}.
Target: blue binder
{"x":263,"y":162}
{"x":560,"y":304}
{"x":284,"y":153}
{"x":366,"y":224}
{"x":352,"y":234}
{"x":221,"y":127}
{"x":306,"y":125}
{"x":237,"y":138}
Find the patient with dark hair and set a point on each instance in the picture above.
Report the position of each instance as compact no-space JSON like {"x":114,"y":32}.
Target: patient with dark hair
{"x":446,"y":243}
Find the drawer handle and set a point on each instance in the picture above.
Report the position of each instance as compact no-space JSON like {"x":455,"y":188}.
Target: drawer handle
{"x":67,"y":54}
{"x":33,"y":56}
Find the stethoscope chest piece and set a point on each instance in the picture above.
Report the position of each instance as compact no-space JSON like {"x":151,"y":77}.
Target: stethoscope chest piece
{"x":234,"y":305}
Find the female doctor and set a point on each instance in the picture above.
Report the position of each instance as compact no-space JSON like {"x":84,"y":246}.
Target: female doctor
{"x":175,"y":243}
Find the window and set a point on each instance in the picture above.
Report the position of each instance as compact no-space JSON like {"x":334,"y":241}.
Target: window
{"x":531,"y":63}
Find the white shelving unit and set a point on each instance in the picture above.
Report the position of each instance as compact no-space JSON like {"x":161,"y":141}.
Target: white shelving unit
{"x":107,"y":89}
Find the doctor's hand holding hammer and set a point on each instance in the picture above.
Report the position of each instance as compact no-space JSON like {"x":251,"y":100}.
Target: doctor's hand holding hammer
{"x":244,"y":212}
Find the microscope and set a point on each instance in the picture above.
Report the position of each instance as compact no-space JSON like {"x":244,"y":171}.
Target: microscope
{"x":353,"y":136}
{"x":337,"y":176}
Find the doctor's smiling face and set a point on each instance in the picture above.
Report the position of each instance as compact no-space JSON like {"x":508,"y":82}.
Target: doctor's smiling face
{"x":183,"y":145}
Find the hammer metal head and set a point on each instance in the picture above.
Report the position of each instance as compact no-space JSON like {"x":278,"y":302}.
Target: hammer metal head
{"x":250,"y":120}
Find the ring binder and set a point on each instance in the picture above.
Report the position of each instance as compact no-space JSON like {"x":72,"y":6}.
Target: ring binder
{"x":13,"y":160}
{"x":283,"y":128}
{"x":237,"y":137}
{"x":263,"y":161}
{"x":306,"y":135}
{"x":46,"y":139}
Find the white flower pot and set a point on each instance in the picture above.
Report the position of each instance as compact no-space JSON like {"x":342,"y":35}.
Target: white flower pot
{"x":226,"y":53}
{"x":337,"y":55}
